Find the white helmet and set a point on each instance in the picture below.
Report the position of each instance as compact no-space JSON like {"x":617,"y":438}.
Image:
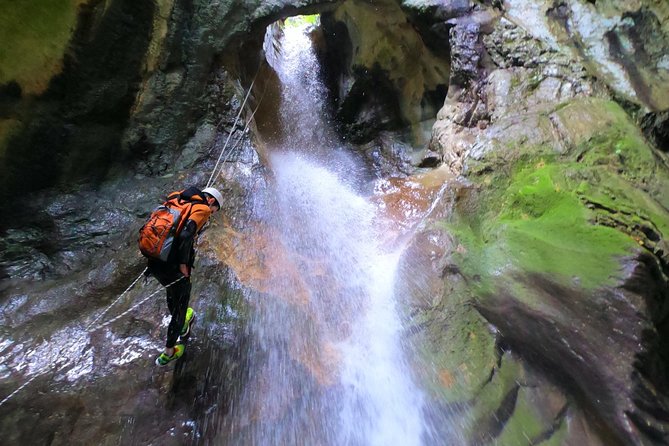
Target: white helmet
{"x":216,"y":194}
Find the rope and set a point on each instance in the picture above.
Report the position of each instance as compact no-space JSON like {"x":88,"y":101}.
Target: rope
{"x":241,"y":138}
{"x":56,"y":367}
{"x":117,"y":299}
{"x":241,"y":109}
{"x":22,"y":386}
{"x":114,"y":319}
{"x":64,"y":363}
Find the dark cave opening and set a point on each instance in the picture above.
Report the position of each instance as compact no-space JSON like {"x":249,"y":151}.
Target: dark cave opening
{"x":372,"y":89}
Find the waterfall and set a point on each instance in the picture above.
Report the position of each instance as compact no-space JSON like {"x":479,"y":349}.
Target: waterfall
{"x":326,"y":364}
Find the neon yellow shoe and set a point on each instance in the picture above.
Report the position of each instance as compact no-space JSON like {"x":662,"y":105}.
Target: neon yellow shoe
{"x":163,"y":359}
{"x":190,"y":318}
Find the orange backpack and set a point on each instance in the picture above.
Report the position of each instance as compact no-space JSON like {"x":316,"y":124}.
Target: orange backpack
{"x":157,"y":235}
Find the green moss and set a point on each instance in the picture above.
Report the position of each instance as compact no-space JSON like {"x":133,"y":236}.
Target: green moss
{"x":535,"y":80}
{"x":571,"y":216}
{"x":624,"y":152}
{"x":34,"y":35}
{"x":539,"y":224}
{"x":461,"y":349}
{"x":524,"y":425}
{"x":630,"y":208}
{"x":484,"y":413}
{"x":507,"y":412}
{"x":301,"y":20}
{"x":504,"y":379}
{"x":558,"y":438}
{"x":544,"y":227}
{"x":603,"y":134}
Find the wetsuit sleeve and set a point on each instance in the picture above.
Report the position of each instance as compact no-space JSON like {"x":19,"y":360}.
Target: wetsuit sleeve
{"x":185,"y":243}
{"x":200,"y":215}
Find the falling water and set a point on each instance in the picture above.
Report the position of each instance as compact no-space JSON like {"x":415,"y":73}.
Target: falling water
{"x":326,"y":364}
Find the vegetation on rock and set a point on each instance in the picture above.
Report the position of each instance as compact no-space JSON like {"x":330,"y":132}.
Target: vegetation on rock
{"x":39,"y":32}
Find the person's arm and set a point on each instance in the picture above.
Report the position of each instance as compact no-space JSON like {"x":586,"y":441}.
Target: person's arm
{"x":199,"y":214}
{"x":185,"y":246}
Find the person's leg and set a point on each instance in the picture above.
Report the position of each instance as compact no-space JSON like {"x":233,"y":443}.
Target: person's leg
{"x":178,"y":296}
{"x":166,"y":274}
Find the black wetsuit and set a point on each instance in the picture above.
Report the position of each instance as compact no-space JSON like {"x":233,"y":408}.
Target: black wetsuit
{"x":178,"y":295}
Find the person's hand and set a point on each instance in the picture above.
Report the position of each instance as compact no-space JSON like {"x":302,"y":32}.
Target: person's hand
{"x":184,"y":270}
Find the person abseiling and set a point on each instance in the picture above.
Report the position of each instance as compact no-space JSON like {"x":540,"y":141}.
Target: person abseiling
{"x":167,"y":241}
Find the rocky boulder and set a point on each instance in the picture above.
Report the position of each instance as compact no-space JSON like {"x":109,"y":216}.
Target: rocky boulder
{"x":558,"y":238}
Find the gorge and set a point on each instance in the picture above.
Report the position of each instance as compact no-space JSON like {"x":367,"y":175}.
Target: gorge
{"x":446,"y":221}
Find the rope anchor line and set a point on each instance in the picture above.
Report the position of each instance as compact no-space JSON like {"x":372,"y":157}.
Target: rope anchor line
{"x":134,"y":307}
{"x":234,"y":127}
{"x":117,"y":299}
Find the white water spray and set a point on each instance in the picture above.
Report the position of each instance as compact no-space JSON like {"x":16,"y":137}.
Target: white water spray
{"x":347,"y":331}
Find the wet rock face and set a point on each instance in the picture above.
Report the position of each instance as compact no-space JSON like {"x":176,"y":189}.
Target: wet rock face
{"x":565,"y":340}
{"x":465,"y":53}
{"x":72,"y":130}
{"x":121,"y":118}
{"x":478,"y":389}
{"x":612,"y":36}
{"x":95,"y":383}
{"x":103,"y":387}
{"x":389,"y":79}
{"x":128,"y":113}
{"x":548,"y":151}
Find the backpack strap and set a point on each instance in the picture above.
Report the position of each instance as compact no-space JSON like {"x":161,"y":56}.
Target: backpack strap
{"x":184,"y":218}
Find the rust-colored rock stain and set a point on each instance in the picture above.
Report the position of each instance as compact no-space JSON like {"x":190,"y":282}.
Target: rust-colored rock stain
{"x":260,"y":261}
{"x":404,"y":202}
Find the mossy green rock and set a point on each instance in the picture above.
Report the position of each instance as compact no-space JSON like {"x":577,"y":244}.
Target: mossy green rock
{"x":73,"y":110}
{"x":35,"y":36}
{"x":515,"y":407}
{"x":566,"y":253}
{"x":461,"y":348}
{"x":456,"y":350}
{"x":542,"y":226}
{"x":543,"y":210}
